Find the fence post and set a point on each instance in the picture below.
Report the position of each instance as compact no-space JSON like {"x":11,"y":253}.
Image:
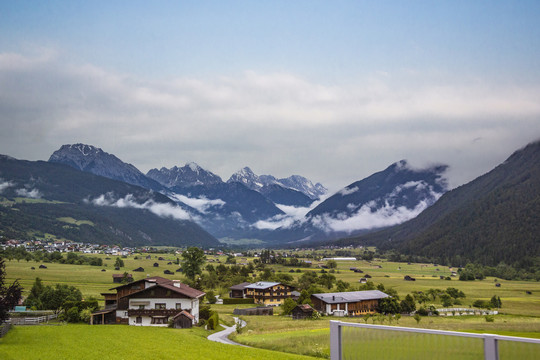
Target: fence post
{"x":491,"y":348}
{"x":335,"y":340}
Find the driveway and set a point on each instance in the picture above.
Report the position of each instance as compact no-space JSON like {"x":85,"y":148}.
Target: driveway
{"x":223,"y":335}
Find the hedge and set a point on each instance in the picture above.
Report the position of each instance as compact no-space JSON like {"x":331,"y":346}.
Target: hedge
{"x":237,"y":301}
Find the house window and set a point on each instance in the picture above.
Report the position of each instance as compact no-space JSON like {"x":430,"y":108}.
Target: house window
{"x":160,"y":306}
{"x":138,"y":320}
{"x":160,"y":320}
{"x":178,"y":306}
{"x":141,"y":307}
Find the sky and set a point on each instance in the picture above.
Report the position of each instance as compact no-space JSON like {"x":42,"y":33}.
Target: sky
{"x":330,"y":90}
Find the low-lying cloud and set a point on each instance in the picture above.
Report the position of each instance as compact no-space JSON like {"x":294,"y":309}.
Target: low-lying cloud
{"x":32,"y":194}
{"x":5,"y":184}
{"x":365,"y":218}
{"x":159,"y":209}
{"x":201,"y":204}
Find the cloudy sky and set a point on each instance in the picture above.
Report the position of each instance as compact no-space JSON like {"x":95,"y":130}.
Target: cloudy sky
{"x":331,"y":90}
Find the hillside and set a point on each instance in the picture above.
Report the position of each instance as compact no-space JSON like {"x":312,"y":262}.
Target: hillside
{"x":495,"y":218}
{"x":36,"y":198}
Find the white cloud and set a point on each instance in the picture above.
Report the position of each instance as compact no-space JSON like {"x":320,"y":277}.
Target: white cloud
{"x":159,"y":209}
{"x":201,"y":204}
{"x":294,"y":216}
{"x":348,"y":191}
{"x":365,"y":218}
{"x":5,"y":184}
{"x":33,"y":194}
{"x":345,"y":131}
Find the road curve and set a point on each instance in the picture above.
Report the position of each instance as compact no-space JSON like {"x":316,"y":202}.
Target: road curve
{"x":223,"y":335}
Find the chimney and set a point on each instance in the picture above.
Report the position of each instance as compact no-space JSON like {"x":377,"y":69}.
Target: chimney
{"x":176,"y":283}
{"x":333,"y":298}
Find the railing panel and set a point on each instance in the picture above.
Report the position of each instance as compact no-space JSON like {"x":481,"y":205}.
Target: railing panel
{"x":369,"y":343}
{"x":359,"y":341}
{"x":511,"y":350}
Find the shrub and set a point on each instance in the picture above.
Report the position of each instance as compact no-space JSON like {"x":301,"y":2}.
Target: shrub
{"x":85,"y":315}
{"x":422,"y":311}
{"x":213,"y":321}
{"x":490,"y":318}
{"x":72,"y":315}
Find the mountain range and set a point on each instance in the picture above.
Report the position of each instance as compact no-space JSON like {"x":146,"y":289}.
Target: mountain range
{"x":491,"y":220}
{"x":251,"y":206}
{"x":50,"y":200}
{"x":85,"y":194}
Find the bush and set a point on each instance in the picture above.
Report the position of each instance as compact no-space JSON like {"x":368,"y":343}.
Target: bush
{"x":490,"y":318}
{"x":72,"y":315}
{"x":213,"y":321}
{"x":85,"y":315}
{"x":422,"y":311}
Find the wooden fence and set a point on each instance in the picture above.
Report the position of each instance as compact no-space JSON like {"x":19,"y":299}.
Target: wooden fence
{"x":31,"y":320}
{"x":4,"y":328}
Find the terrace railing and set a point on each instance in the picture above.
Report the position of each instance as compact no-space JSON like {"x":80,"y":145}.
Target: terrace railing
{"x":364,"y":341}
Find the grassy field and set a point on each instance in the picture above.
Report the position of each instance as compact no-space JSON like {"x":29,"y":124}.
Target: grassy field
{"x":92,"y":280}
{"x":121,"y":342}
{"x":311,"y":337}
{"x":520,"y":312}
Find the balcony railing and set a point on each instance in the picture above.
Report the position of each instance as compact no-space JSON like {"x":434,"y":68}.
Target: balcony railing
{"x":152,"y":312}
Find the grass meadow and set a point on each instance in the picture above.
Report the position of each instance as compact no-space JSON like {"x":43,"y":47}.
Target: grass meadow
{"x":122,"y":342}
{"x":276,"y":335}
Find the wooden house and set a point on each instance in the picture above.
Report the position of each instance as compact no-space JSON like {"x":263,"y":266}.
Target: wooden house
{"x":117,"y":278}
{"x":238,"y":291}
{"x":182,"y":320}
{"x":268,"y":293}
{"x":303,"y":311}
{"x":149,"y":302}
{"x":352,"y":303}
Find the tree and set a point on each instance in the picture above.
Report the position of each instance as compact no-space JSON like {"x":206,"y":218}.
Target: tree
{"x":342,"y":286}
{"x":496,"y":302}
{"x":446,"y":300}
{"x":288,"y":306}
{"x":53,"y":298}
{"x":389,"y":305}
{"x":33,"y":299}
{"x":192,"y":260}
{"x":417,"y":317}
{"x":327,"y":280}
{"x":408,"y":305}
{"x":9,"y":294}
{"x":119,"y":263}
{"x":332,"y":264}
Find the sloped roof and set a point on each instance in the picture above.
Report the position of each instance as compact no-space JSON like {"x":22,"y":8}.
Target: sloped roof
{"x":262,"y":285}
{"x":351,"y":296}
{"x":155,"y":279}
{"x":168,"y":284}
{"x":184,"y":313}
{"x":241,"y":286}
{"x":304,"y":308}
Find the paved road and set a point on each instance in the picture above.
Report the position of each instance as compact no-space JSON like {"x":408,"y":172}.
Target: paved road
{"x":223,"y":336}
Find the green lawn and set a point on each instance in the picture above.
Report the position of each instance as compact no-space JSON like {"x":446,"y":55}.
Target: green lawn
{"x":121,"y":342}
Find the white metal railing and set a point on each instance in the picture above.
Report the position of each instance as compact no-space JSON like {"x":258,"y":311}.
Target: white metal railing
{"x":403,"y":339}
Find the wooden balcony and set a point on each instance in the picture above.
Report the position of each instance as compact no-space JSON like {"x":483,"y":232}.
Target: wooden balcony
{"x":152,"y":312}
